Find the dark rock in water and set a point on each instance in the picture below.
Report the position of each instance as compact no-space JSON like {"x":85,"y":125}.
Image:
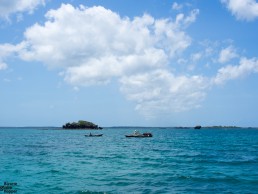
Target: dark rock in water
{"x":198,"y":127}
{"x":81,"y":125}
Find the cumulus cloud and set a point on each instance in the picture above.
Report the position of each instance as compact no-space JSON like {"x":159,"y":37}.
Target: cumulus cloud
{"x":92,"y":45}
{"x":8,"y":7}
{"x":227,"y":54}
{"x":95,"y":44}
{"x":160,"y":91}
{"x":242,"y":9}
{"x":230,"y":72}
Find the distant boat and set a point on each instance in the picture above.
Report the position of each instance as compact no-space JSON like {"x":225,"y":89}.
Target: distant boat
{"x":94,"y":135}
{"x":139,"y":135}
{"x":198,"y":127}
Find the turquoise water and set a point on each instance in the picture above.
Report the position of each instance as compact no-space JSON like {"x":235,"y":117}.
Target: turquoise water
{"x":173,"y":161}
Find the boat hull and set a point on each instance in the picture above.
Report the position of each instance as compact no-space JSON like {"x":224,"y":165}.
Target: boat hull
{"x":140,"y":135}
{"x":100,"y":135}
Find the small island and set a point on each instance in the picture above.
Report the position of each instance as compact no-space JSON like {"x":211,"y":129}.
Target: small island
{"x":81,"y":125}
{"x":198,"y":127}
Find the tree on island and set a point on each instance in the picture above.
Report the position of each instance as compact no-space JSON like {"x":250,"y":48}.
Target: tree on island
{"x":81,"y":125}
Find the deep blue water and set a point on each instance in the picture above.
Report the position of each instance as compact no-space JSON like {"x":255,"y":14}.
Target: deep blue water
{"x":172,"y":161}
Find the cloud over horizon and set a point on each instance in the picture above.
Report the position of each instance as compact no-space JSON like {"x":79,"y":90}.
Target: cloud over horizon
{"x":162,"y":92}
{"x":94,"y":45}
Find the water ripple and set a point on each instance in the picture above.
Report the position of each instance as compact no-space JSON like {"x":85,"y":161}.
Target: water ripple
{"x":173,"y":161}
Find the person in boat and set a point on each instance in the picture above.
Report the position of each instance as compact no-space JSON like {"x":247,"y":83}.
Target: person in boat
{"x":136,"y":132}
{"x":90,"y":134}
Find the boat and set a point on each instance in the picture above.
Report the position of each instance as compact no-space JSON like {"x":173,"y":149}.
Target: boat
{"x":139,"y":135}
{"x":94,"y":135}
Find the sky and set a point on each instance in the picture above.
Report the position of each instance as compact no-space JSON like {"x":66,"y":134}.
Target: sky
{"x":129,"y":63}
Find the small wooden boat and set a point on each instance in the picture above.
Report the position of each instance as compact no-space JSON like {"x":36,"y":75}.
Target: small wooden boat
{"x":140,"y":135}
{"x":94,"y":135}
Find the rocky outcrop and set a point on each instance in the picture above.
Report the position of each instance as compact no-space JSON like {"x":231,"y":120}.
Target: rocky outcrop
{"x":81,"y":125}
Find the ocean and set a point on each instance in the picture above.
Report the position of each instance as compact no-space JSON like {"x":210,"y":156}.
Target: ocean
{"x":46,"y":160}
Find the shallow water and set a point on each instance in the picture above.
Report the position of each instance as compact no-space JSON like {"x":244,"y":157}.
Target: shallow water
{"x":172,"y":161}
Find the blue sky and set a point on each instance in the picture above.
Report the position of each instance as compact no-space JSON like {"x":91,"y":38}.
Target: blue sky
{"x":137,"y":63}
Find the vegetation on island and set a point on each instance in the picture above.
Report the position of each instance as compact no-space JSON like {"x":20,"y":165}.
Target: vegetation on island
{"x":81,"y":125}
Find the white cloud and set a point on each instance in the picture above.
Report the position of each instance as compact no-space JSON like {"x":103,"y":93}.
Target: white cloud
{"x":227,"y":54}
{"x":99,"y":71}
{"x":177,"y":6}
{"x":7,"y":50}
{"x":160,"y":92}
{"x":242,"y":9}
{"x":192,"y":17}
{"x":185,"y":21}
{"x":3,"y":66}
{"x":245,"y":67}
{"x":8,"y":7}
{"x":95,"y":44}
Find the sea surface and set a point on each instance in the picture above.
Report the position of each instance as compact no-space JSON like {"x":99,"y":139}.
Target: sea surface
{"x":45,"y":160}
